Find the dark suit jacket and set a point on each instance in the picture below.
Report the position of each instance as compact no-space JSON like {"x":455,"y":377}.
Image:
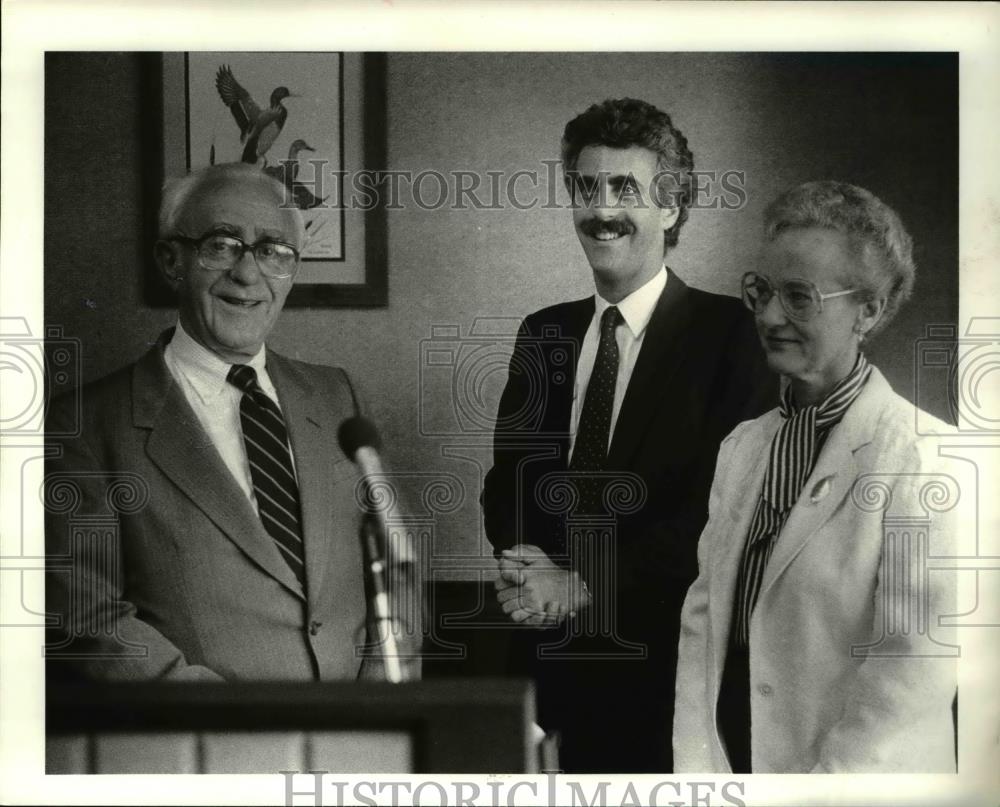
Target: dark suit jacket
{"x":160,"y":566}
{"x":700,"y":372}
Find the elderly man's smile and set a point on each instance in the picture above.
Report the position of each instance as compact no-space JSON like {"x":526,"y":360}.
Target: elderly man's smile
{"x":238,"y":302}
{"x":780,"y":342}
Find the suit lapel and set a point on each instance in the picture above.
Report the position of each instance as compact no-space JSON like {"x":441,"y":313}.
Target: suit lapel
{"x":312,"y":436}
{"x":730,"y":538}
{"x":572,"y":328}
{"x":658,"y":358}
{"x":824,"y":490}
{"x":178,"y":446}
{"x":832,"y":478}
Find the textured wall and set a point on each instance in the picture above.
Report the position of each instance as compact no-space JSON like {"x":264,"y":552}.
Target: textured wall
{"x":888,"y":123}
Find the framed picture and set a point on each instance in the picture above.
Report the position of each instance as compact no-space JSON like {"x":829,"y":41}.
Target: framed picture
{"x":315,"y":121}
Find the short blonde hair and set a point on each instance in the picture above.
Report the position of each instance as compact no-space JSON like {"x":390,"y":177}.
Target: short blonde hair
{"x":884,"y":247}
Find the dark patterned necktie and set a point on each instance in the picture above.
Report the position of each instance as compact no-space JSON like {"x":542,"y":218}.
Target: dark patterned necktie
{"x":590,"y":452}
{"x":266,"y":440}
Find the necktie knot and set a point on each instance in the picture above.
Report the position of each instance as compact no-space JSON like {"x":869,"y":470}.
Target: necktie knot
{"x":611,"y":319}
{"x":243,"y":377}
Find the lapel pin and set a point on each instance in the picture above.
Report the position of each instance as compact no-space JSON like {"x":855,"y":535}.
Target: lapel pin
{"x":820,"y":490}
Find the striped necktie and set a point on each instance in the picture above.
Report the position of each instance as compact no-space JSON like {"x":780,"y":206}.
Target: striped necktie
{"x":590,"y":451}
{"x":266,"y":440}
{"x":794,"y":451}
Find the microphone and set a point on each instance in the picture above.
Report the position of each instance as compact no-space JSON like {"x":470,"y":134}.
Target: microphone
{"x":360,"y":441}
{"x":382,"y":548}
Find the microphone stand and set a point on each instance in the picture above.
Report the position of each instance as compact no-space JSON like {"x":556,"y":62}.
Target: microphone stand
{"x":379,"y":604}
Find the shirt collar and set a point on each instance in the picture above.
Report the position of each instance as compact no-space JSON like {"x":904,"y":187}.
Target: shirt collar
{"x":637,"y":308}
{"x":205,"y":371}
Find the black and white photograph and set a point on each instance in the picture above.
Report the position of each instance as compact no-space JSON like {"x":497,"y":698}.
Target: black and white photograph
{"x":501,"y":420}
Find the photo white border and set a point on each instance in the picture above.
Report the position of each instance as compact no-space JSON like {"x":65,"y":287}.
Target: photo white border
{"x":31,"y":27}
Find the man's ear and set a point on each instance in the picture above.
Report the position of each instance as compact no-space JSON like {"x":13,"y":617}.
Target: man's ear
{"x":168,"y":260}
{"x":668,"y":217}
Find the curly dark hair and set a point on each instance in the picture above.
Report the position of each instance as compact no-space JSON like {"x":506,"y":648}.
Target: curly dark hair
{"x":883,"y":247}
{"x":624,"y":122}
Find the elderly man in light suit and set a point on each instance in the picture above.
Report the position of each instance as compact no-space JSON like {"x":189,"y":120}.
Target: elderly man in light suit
{"x":235,"y":555}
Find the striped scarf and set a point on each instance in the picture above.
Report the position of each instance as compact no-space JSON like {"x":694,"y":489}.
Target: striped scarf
{"x":794,"y":451}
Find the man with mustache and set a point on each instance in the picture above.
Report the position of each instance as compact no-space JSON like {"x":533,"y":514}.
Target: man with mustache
{"x":631,"y":422}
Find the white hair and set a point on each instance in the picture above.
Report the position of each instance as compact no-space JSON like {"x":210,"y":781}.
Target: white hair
{"x":178,"y":190}
{"x":876,"y":231}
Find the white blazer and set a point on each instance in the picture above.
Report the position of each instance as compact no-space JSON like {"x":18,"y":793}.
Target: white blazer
{"x":850,"y":669}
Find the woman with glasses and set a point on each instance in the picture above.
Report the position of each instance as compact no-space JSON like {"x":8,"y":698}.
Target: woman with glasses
{"x":804,"y":639}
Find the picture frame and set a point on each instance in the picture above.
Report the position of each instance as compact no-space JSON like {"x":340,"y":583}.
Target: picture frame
{"x":332,"y":130}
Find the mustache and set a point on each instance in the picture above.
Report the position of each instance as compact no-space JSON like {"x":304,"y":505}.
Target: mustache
{"x":595,"y":227}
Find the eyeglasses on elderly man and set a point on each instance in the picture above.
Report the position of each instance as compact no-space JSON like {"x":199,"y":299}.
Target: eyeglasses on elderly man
{"x":220,"y":252}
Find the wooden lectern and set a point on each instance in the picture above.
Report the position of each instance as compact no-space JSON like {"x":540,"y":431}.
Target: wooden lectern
{"x":441,"y":726}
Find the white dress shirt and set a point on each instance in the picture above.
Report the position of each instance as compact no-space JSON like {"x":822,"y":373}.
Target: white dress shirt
{"x":636,"y":310}
{"x":201,"y":375}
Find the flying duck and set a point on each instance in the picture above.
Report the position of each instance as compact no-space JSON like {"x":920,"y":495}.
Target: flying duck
{"x":259,"y":128}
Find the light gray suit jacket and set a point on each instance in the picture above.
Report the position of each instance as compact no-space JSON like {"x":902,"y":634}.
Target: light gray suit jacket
{"x":850,"y":669}
{"x":159,"y":566}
